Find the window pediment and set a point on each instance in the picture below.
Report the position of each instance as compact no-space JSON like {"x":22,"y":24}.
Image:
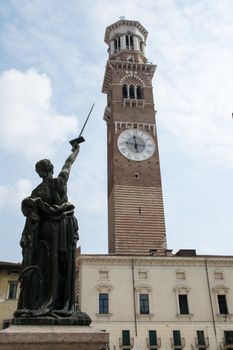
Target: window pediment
{"x":143,"y":288}
{"x":103,"y":287}
{"x":182,"y":289}
{"x":220,"y":289}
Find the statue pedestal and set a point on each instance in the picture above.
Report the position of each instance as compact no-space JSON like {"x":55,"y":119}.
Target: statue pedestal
{"x":52,"y":338}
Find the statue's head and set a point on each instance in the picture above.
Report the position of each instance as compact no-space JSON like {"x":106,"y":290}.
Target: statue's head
{"x":44,"y":168}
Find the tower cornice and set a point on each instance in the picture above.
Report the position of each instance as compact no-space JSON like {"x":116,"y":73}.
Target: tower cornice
{"x":123,"y":22}
{"x":131,"y":66}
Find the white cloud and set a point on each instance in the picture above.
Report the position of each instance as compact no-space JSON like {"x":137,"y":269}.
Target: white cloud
{"x":12,"y":195}
{"x":29,"y":124}
{"x":199,"y":114}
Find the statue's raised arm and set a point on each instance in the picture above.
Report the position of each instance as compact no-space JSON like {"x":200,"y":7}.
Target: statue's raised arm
{"x":65,"y":172}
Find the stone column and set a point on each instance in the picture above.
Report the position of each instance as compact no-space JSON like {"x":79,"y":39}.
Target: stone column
{"x":123,"y":42}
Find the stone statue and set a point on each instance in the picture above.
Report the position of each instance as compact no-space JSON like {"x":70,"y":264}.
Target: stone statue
{"x":48,"y":245}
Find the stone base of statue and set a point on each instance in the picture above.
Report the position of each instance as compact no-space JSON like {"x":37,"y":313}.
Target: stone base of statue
{"x":54,"y":337}
{"x":78,"y":318}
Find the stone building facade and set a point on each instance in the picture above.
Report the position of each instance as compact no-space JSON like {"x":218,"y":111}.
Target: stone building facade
{"x":172,"y":302}
{"x":9,"y":291}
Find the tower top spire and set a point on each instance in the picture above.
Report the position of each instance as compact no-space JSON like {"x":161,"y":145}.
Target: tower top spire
{"x":123,"y":25}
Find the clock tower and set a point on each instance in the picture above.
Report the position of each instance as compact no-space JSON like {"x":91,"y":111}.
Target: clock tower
{"x":135,"y":205}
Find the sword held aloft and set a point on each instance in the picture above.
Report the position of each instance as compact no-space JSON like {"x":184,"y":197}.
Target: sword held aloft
{"x":80,"y":139}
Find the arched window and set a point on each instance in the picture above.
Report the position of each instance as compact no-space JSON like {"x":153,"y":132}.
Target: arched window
{"x":131,"y":46}
{"x":139,"y":92}
{"x":127,"y":41}
{"x":119,"y":42}
{"x":125,"y":91}
{"x":131,"y":91}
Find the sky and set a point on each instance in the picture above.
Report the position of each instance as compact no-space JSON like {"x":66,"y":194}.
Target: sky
{"x":52,"y":65}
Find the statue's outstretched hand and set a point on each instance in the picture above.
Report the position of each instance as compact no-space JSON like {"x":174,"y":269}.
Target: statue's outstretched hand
{"x":75,"y":147}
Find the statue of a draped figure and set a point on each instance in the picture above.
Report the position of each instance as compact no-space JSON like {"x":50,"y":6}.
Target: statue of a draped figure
{"x":48,"y":242}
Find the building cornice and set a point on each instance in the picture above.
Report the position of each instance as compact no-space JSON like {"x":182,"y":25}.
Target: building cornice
{"x":4,"y":265}
{"x":114,"y":260}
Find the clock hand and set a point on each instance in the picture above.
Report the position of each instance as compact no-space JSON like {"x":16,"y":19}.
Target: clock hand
{"x":135,"y":144}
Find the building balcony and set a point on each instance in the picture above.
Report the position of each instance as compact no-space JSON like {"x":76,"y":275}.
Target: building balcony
{"x":134,"y":102}
{"x":126,"y":346}
{"x":225,"y":345}
{"x":202,"y":346}
{"x":152,"y":347}
{"x":178,"y":346}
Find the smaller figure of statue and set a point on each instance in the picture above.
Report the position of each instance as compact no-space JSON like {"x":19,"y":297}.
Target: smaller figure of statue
{"x":48,"y":246}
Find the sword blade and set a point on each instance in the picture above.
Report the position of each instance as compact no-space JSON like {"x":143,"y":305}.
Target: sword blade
{"x":86,"y":119}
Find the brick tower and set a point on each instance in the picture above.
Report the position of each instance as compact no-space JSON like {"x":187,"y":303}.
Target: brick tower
{"x":135,"y":203}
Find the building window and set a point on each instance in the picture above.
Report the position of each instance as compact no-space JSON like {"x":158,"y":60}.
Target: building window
{"x":177,"y":341}
{"x":183,"y":304}
{"x":180,"y":275}
{"x":131,"y":91}
{"x":12,"y":291}
{"x":139,"y":92}
{"x":144,"y":307}
{"x":201,"y":342}
{"x":228,"y":337}
{"x":218,"y":276}
{"x":103,"y":275}
{"x":176,"y":338}
{"x":152,"y":338}
{"x":117,"y":44}
{"x":144,"y":304}
{"x":183,"y":307}
{"x":222,"y":304}
{"x":129,"y":42}
{"x":142,"y":275}
{"x":152,"y":341}
{"x":126,"y":338}
{"x":125,"y":341}
{"x":103,"y":300}
{"x":125,"y":91}
{"x":220,"y":292}
{"x":103,"y":303}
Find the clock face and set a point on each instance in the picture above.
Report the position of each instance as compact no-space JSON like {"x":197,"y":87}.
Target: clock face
{"x":136,"y":144}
